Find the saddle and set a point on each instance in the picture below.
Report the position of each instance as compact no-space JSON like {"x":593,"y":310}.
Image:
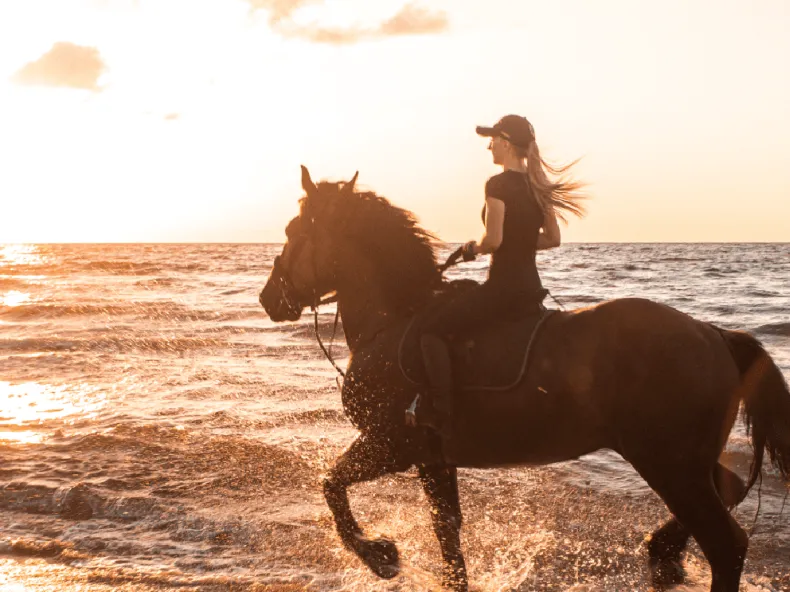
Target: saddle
{"x":479,"y":361}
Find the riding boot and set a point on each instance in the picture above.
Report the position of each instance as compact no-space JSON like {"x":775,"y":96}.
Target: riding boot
{"x":436,"y":357}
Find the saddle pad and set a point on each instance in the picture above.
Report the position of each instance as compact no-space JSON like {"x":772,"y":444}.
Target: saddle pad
{"x":494,"y":358}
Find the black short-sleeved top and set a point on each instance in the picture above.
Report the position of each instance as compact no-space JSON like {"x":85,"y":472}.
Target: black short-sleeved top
{"x":513,"y":263}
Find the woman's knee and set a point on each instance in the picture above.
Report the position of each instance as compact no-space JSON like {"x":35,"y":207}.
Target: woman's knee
{"x":431,"y":341}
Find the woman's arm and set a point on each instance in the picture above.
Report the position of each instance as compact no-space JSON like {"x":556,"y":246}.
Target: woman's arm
{"x":495,"y":220}
{"x":550,"y":237}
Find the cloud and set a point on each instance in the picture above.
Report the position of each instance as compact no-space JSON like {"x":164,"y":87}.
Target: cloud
{"x":328,"y":36}
{"x":411,"y":19}
{"x":65,"y":65}
{"x":414,"y":20}
{"x":280,"y":9}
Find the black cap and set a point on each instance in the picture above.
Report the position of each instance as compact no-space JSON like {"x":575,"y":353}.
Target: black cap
{"x":513,"y":128}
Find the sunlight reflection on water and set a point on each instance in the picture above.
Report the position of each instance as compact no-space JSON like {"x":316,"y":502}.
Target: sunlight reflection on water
{"x":20,"y":255}
{"x":28,"y":404}
{"x":14,"y":298}
{"x":23,"y":437}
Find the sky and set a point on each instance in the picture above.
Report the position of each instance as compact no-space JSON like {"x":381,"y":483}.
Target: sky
{"x":187,"y":121}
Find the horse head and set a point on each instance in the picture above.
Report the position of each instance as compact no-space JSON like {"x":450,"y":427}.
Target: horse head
{"x":305,"y":269}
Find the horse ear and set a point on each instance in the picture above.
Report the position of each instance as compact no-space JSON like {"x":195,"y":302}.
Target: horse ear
{"x":349,"y":187}
{"x":307,"y":183}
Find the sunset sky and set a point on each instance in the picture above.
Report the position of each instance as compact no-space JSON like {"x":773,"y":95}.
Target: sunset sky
{"x":187,"y":120}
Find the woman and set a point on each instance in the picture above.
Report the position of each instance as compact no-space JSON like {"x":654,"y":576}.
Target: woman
{"x":520,"y":217}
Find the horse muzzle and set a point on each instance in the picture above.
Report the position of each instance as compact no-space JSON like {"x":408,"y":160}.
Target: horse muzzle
{"x":281,"y":309}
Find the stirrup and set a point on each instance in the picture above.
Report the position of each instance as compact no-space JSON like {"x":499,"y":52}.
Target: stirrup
{"x":411,"y":412}
{"x":421,"y":415}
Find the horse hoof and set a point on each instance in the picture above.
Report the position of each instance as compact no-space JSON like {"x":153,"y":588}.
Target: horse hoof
{"x":667,"y":574}
{"x":381,"y":556}
{"x":455,"y":581}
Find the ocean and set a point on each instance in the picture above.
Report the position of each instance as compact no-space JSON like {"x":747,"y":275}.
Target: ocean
{"x":159,"y":432}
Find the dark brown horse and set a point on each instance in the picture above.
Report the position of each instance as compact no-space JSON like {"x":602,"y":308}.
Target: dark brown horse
{"x":647,"y":381}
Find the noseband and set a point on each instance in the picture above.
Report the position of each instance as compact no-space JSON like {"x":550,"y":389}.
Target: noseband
{"x":286,"y":285}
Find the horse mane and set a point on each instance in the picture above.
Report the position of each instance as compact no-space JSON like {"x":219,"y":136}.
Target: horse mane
{"x":401,"y":251}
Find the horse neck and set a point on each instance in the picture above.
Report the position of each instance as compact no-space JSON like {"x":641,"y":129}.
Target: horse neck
{"x":361,"y":302}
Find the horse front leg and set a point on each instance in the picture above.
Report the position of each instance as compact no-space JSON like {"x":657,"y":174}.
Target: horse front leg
{"x":440,"y":484}
{"x":366,"y":459}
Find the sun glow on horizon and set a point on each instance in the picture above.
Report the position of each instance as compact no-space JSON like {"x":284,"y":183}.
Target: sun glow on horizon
{"x":198,"y":133}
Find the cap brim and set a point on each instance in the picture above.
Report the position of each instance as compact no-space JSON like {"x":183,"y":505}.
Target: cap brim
{"x":488,"y":132}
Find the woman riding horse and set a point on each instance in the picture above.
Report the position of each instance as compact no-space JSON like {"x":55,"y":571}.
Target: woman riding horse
{"x":637,"y":377}
{"x":520,"y":219}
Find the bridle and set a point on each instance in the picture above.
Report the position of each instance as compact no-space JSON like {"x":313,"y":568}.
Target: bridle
{"x":288,"y":290}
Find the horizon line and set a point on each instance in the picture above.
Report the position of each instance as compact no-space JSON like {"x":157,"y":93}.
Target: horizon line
{"x":701,"y":242}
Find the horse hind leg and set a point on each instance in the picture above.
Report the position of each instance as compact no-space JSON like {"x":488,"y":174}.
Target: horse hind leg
{"x":667,"y":544}
{"x":693,"y":498}
{"x":731,"y":488}
{"x":665,"y":555}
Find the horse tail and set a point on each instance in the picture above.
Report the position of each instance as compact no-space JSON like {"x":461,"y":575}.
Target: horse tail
{"x":766,"y":397}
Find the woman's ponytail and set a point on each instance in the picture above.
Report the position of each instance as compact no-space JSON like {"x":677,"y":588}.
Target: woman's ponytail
{"x":563,"y":193}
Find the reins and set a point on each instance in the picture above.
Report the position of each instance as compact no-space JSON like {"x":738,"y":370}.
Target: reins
{"x":327,"y":352}
{"x":453,"y":259}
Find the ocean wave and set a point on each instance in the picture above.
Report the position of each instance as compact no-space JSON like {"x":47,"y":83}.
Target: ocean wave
{"x":237,"y":329}
{"x":32,"y":547}
{"x":12,"y":283}
{"x":166,"y":311}
{"x":307,"y":331}
{"x":724,"y":309}
{"x":676,"y":259}
{"x":757,"y":293}
{"x":77,"y":501}
{"x":148,"y":461}
{"x":236,"y":291}
{"x":49,"y":311}
{"x":175,"y":345}
{"x":158,"y":282}
{"x":108,"y":267}
{"x":720,"y":271}
{"x":120,"y":267}
{"x":774,"y":329}
{"x":579,"y":298}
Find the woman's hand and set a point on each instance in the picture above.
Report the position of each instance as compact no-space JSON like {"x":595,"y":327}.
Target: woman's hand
{"x":469,"y":251}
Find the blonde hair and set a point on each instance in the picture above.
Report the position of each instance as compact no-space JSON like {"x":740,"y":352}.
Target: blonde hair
{"x":563,"y":193}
